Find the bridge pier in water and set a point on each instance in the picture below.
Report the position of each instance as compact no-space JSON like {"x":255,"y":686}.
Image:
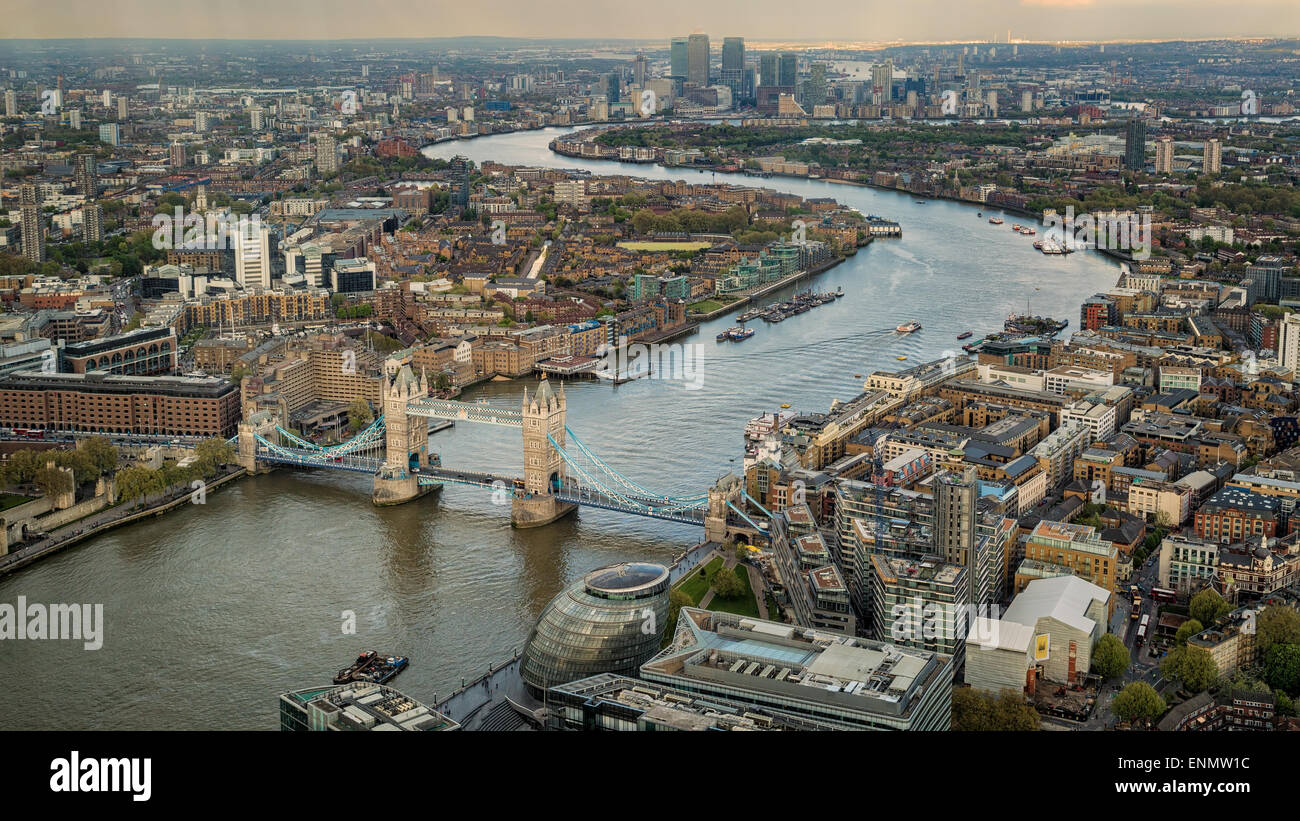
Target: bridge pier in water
{"x":544,"y":468}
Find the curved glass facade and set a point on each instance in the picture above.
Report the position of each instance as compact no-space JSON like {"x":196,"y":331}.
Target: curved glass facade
{"x":610,"y":621}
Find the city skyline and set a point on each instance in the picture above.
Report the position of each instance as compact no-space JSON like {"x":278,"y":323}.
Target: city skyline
{"x":764,"y":20}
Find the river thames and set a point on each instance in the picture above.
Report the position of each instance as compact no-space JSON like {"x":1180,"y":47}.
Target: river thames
{"x":212,"y":611}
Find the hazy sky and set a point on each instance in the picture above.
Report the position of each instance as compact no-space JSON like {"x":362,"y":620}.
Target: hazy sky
{"x":821,"y":20}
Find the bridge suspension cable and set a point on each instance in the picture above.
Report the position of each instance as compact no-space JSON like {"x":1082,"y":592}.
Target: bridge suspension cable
{"x":603,"y":467}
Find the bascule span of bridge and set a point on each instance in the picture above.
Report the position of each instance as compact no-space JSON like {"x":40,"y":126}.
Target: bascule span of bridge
{"x":560,"y":472}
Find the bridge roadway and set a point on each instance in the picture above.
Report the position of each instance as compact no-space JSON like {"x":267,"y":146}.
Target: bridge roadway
{"x":570,"y":491}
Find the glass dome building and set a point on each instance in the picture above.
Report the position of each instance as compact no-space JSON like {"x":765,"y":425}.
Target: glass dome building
{"x":610,"y":621}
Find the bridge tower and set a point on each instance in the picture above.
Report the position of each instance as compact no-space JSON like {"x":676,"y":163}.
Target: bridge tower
{"x":259,"y":423}
{"x":726,"y":489}
{"x":406,"y":437}
{"x":543,"y":466}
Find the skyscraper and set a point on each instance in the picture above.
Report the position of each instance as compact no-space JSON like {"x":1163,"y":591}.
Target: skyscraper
{"x":1212,"y":162}
{"x":1135,"y":145}
{"x":697,"y":66}
{"x":92,"y":222}
{"x":459,"y":172}
{"x":84,"y":177}
{"x":678,"y":59}
{"x":882,"y":82}
{"x":787,"y":72}
{"x":253,"y":256}
{"x":11,"y":103}
{"x":733,"y":53}
{"x":639,"y":71}
{"x":176,"y":155}
{"x":29,"y":211}
{"x":1165,"y":155}
{"x":814,"y":92}
{"x":609,"y":86}
{"x":955,"y":500}
{"x":767,"y":70}
{"x":327,"y":157}
{"x":123,"y":109}
{"x":1288,"y":341}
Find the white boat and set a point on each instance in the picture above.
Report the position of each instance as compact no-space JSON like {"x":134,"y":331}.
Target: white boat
{"x":908,"y":327}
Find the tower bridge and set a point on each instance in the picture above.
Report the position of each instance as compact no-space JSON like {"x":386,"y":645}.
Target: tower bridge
{"x":560,"y":473}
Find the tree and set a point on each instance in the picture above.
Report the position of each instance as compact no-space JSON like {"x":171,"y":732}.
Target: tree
{"x":359,"y":415}
{"x":977,"y":711}
{"x":676,"y":601}
{"x":1193,"y":666}
{"x":212,"y":454}
{"x":53,"y":481}
{"x":1138,"y":702}
{"x":1282,"y":668}
{"x":101,"y":452}
{"x":727,"y":585}
{"x":1110,"y":657}
{"x":1274,"y":625}
{"x":1186,"y":630}
{"x":1208,"y":607}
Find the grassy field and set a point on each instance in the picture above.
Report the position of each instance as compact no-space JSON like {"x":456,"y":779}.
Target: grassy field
{"x":8,"y":500}
{"x":650,"y":245}
{"x":695,"y":585}
{"x":708,"y":306}
{"x":743,"y":605}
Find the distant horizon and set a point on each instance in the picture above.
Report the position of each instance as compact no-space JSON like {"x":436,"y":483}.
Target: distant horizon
{"x":1244,"y":38}
{"x":920,"y":22}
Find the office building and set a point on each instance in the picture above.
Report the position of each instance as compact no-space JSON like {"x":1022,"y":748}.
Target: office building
{"x":849,"y":683}
{"x":639,"y":64}
{"x":358,"y":706}
{"x":253,"y":256}
{"x":352,"y":276}
{"x":787,"y":70}
{"x":768,"y":74}
{"x":679,"y":58}
{"x":621,"y":704}
{"x":697,"y":55}
{"x":733,"y":74}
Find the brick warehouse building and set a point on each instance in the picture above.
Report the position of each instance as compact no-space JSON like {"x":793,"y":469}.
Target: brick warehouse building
{"x":142,"y":352}
{"x":102,"y":403}
{"x":1235,"y":514}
